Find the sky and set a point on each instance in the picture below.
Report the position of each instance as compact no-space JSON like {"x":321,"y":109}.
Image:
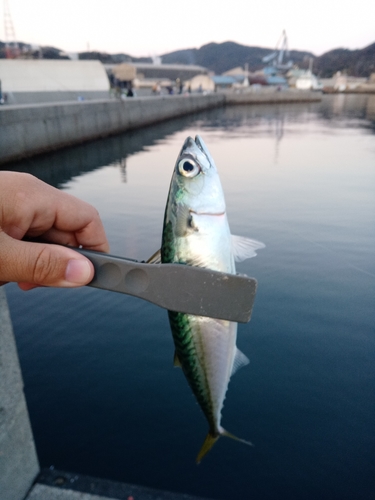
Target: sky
{"x":155,"y":27}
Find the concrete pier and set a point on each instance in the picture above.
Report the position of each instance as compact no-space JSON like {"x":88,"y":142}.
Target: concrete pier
{"x":18,"y":460}
{"x":27,"y":130}
{"x":272,"y":96}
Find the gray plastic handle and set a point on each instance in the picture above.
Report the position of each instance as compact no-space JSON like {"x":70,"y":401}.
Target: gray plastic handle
{"x":176,"y":287}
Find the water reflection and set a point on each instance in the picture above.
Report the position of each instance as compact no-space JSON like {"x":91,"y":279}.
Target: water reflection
{"x":370,"y":108}
{"x":121,"y":165}
{"x":257,"y":120}
{"x":344,"y":107}
{"x":61,"y":166}
{"x":102,"y":394}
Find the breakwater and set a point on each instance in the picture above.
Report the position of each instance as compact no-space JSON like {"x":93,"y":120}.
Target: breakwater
{"x":272,"y":96}
{"x":27,"y":130}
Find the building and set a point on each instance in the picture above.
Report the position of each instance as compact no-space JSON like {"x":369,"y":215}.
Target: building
{"x":224,"y":82}
{"x":147,"y":76}
{"x":345,"y":83}
{"x":308,"y":81}
{"x":153,"y":71}
{"x":201,"y":83}
{"x":27,"y":81}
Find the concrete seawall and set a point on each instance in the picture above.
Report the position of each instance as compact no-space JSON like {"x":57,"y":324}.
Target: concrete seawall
{"x":270,"y":96}
{"x":18,"y":460}
{"x":27,"y":130}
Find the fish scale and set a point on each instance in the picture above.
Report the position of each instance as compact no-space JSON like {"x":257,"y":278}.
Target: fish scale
{"x":186,"y":351}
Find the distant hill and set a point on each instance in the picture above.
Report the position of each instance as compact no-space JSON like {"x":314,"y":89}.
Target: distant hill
{"x":112,"y":58}
{"x":352,"y":62}
{"x":35,"y":53}
{"x":225,"y":56}
{"x":221,"y":57}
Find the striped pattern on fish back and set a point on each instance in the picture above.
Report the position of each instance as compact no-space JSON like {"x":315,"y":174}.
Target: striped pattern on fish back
{"x":183,"y":335}
{"x":183,"y":330}
{"x":167,"y":247}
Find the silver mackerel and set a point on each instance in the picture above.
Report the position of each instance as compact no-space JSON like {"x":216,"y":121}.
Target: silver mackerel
{"x":196,"y":233}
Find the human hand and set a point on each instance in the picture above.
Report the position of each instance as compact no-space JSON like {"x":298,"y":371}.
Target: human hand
{"x":31,"y":208}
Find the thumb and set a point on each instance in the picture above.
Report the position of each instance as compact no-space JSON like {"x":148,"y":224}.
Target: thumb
{"x":34,"y":264}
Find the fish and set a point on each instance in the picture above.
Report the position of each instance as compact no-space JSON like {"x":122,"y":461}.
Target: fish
{"x":196,"y":233}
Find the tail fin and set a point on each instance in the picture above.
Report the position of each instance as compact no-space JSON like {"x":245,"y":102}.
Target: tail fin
{"x":211,"y":440}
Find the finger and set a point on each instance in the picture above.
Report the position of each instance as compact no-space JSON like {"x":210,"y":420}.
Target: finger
{"x":75,"y":223}
{"x":27,"y":286}
{"x":75,"y":240}
{"x":30,"y":207}
{"x":42,"y":264}
{"x":82,"y":220}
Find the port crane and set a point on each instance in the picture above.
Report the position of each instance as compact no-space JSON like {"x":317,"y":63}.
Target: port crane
{"x":276,"y":58}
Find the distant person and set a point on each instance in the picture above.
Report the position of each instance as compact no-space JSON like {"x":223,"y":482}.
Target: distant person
{"x":156,"y":89}
{"x":29,"y":208}
{"x":130,"y":92}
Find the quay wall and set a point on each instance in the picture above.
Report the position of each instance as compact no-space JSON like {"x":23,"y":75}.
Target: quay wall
{"x":27,"y":130}
{"x":30,"y":129}
{"x":272,"y":96}
{"x":18,"y":459}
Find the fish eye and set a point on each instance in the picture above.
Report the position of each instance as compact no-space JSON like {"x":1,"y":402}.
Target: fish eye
{"x":188,"y":168}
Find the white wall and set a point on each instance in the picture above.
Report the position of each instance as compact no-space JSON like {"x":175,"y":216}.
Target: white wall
{"x":20,"y":75}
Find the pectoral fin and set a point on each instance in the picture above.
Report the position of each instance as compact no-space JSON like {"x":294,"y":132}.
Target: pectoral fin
{"x":244,"y":248}
{"x":184,"y":222}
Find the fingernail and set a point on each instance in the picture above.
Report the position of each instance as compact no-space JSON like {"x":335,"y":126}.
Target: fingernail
{"x":78,"y":272}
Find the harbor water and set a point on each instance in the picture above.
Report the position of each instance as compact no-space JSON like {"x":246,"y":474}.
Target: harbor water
{"x":103,"y":396}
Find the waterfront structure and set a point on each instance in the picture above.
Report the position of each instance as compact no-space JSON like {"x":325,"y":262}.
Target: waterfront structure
{"x":36,"y":81}
{"x":344,"y":82}
{"x":241,"y":75}
{"x":308,"y":81}
{"x":171,"y":71}
{"x":223,"y":82}
{"x":200,"y":83}
{"x":148,"y":75}
{"x":279,"y":59}
{"x":348,"y":84}
{"x":28,"y":130}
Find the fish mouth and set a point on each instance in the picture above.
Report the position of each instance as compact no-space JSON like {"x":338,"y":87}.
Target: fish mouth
{"x":214,"y":214}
